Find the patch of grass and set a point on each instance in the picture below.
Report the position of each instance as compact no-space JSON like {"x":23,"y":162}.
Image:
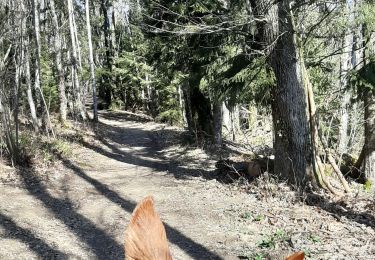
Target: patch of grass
{"x":258,"y":257}
{"x":49,"y":149}
{"x":259,"y":218}
{"x":254,"y":256}
{"x":271,"y":241}
{"x":368,"y":185}
{"x":315,"y":239}
{"x":62,"y":147}
{"x":246,"y":215}
{"x":41,"y":149}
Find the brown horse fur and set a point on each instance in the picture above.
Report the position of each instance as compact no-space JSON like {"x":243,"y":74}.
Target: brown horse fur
{"x":296,"y":256}
{"x":145,"y":237}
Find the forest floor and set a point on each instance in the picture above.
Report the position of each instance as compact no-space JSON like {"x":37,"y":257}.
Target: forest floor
{"x":79,"y":205}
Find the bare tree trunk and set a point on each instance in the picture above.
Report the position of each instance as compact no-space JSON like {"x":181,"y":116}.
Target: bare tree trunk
{"x":369,"y":147}
{"x":235,"y":121}
{"x":29,"y":92}
{"x":58,"y":62}
{"x":366,"y":160}
{"x":346,"y":64}
{"x":92,"y":65}
{"x":74,"y":61}
{"x":253,"y":116}
{"x":77,"y":44}
{"x":231,"y":120}
{"x":106,"y":92}
{"x":144,"y":100}
{"x":218,"y":122}
{"x":37,"y":63}
{"x":5,"y":118}
{"x":35,"y":6}
{"x":17,"y":86}
{"x":345,"y":107}
{"x":188,"y":108}
{"x":26,"y":65}
{"x":226,"y":119}
{"x":293,"y":155}
{"x":112,"y":24}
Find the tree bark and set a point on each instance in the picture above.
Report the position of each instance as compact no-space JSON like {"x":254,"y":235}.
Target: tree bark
{"x":5,"y":118}
{"x":366,"y":160}
{"x":59,"y":65}
{"x":29,"y":91}
{"x":293,"y":155}
{"x":188,"y":109}
{"x":37,"y":83}
{"x":74,"y":62}
{"x":106,"y":91}
{"x":231,"y":120}
{"x":92,"y":65}
{"x":369,"y":147}
{"x":181,"y":103}
{"x":368,"y":164}
{"x":218,"y":122}
{"x":346,"y":64}
{"x":35,"y":5}
{"x":344,"y":111}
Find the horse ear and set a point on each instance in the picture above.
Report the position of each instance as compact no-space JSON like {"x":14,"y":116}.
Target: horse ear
{"x":145,"y":236}
{"x":296,"y":256}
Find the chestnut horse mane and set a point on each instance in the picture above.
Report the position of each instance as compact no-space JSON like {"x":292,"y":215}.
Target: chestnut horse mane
{"x":145,"y":237}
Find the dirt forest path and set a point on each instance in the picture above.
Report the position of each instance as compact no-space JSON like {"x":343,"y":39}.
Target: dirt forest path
{"x":82,"y":210}
{"x":78,"y":207}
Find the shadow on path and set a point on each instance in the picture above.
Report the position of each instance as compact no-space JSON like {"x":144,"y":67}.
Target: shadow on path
{"x":40,"y":247}
{"x":97,"y":240}
{"x":192,"y":248}
{"x":122,"y":137}
{"x":116,"y":134}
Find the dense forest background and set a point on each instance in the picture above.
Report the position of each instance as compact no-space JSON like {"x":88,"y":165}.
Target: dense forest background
{"x":297,"y":76}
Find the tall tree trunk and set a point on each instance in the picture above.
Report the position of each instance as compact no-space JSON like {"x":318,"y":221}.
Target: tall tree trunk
{"x":187,"y":101}
{"x":293,"y":155}
{"x":181,"y":105}
{"x":5,"y":117}
{"x":369,"y":104}
{"x":226,"y":118}
{"x":369,"y":147}
{"x":235,"y":121}
{"x":366,"y":160}
{"x":17,"y":86}
{"x":74,"y":61}
{"x":37,"y":83}
{"x":92,"y":65}
{"x":107,"y":89}
{"x":345,"y":105}
{"x":27,"y":73}
{"x":58,"y":63}
{"x":29,"y":91}
{"x":231,"y":120}
{"x":77,"y":44}
{"x":218,"y":122}
{"x":9,"y":140}
{"x":346,"y":64}
{"x":35,"y":6}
